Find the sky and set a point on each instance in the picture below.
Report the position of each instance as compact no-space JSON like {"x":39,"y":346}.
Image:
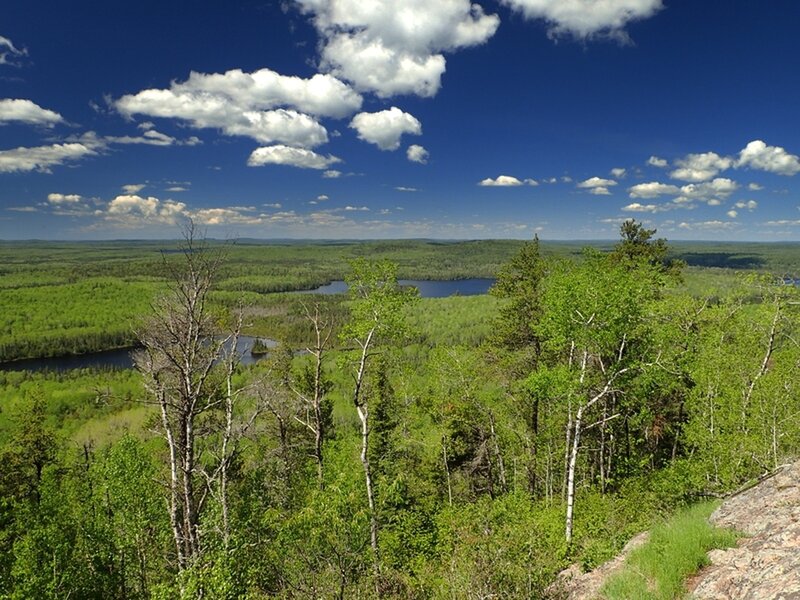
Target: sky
{"x":399,"y":118}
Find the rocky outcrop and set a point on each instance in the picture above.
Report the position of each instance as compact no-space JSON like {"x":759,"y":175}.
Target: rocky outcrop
{"x":573,"y":584}
{"x":766,"y":564}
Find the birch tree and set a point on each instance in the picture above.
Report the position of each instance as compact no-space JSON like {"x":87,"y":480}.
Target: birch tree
{"x":181,"y":344}
{"x":377,"y":305}
{"x":594,"y":322}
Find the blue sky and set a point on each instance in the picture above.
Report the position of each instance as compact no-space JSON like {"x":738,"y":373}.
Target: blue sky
{"x":400,"y":118}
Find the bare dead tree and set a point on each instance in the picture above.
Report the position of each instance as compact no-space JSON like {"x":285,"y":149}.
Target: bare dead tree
{"x":314,"y":387}
{"x":180,"y":347}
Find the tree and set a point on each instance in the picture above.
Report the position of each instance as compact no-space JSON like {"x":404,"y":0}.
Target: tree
{"x":637,"y":246}
{"x":181,"y":344}
{"x":520,"y":283}
{"x":312,"y":386}
{"x":593,"y":322}
{"x":377,"y":306}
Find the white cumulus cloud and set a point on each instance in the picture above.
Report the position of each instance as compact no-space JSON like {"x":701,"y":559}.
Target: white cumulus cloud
{"x":395,"y":47}
{"x":636,"y":207}
{"x":385,"y":128}
{"x":25,"y":111}
{"x":287,"y":155}
{"x":506,"y":181}
{"x":700,"y":167}
{"x":417,"y":154}
{"x":655,"y":161}
{"x":652,"y":189}
{"x":774,"y":159}
{"x":263,"y":105}
{"x":585,"y":19}
{"x":619,"y":172}
{"x":749,"y":205}
{"x":133,"y":210}
{"x":720,"y":187}
{"x":42,"y":158}
{"x":597,"y":185}
{"x":56,"y":198}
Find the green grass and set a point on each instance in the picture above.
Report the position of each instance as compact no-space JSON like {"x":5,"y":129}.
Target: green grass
{"x":676,"y":550}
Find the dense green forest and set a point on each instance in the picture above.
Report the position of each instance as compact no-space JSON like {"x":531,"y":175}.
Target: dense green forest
{"x":45,"y":286}
{"x":393,"y":447}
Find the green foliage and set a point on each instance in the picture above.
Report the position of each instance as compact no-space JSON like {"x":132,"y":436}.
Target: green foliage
{"x":377,"y":302}
{"x":505,"y":547}
{"x":470,"y":400}
{"x":676,"y":549}
{"x":520,"y":282}
{"x":72,"y":318}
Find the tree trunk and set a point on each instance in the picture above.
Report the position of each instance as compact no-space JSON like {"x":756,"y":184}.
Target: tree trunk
{"x":363,"y":415}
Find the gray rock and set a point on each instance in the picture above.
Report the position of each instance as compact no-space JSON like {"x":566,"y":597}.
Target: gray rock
{"x":767,"y":563}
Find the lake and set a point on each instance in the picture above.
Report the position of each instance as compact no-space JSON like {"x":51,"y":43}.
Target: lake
{"x":427,"y":288}
{"x":119,"y":358}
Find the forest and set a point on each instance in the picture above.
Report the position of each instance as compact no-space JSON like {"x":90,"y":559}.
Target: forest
{"x":392,"y":446}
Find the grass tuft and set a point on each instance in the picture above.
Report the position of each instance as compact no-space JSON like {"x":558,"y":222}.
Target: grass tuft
{"x":676,"y":550}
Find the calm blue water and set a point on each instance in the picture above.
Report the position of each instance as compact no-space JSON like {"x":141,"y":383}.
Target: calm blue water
{"x":121,"y":358}
{"x":427,"y":288}
{"x":115,"y":359}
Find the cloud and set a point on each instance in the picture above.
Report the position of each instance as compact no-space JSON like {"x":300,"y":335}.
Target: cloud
{"x":773,"y":159}
{"x":597,"y":185}
{"x":636,"y":207}
{"x":132,"y":210}
{"x":63,"y":198}
{"x":133,"y":188}
{"x":286,"y":155}
{"x":750,"y":205}
{"x":405,"y":189}
{"x":782,"y":222}
{"x":720,"y":187}
{"x":700,"y":167}
{"x":732,"y":214}
{"x":652,"y":189}
{"x":655,"y":161}
{"x":385,"y":128}
{"x":715,"y":225}
{"x":25,"y":111}
{"x":586,"y":19}
{"x":417,"y":154}
{"x":262,"y":105}
{"x":618,"y":172}
{"x":332,"y":174}
{"x":506,"y":181}
{"x":151,"y":137}
{"x":395,"y":47}
{"x":42,"y":158}
{"x":10,"y":54}
{"x":322,"y":198}
{"x":177,"y":188}
{"x":224,"y":216}
{"x":754,"y":187}
{"x":218,"y":97}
